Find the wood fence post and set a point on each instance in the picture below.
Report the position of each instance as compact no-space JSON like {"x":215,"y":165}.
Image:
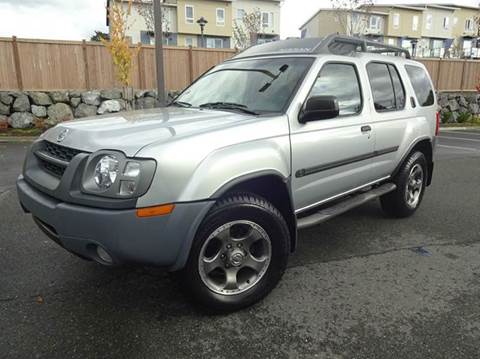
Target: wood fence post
{"x":85,"y":63}
{"x":141,"y":67}
{"x":438,"y":74}
{"x":16,"y":60}
{"x":190,"y":63}
{"x":462,"y":83}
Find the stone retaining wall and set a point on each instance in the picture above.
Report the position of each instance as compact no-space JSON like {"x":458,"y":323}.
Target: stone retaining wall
{"x":46,"y":109}
{"x":454,"y":107}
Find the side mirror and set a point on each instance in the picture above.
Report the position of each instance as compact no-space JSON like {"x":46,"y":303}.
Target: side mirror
{"x":319,"y":108}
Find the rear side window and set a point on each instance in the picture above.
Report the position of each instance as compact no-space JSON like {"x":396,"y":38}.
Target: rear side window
{"x":421,"y":85}
{"x":341,"y":81}
{"x":387,"y":88}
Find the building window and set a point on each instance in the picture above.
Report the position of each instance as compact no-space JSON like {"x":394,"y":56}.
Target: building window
{"x":455,"y":21}
{"x":214,"y":43}
{"x":469,"y":25}
{"x":267,"y":19}
{"x":428,"y":23}
{"x":220,"y":17}
{"x":415,"y":23}
{"x":240,"y":14}
{"x":391,"y":42}
{"x":438,"y":48}
{"x":147,"y":37}
{"x":396,"y":20}
{"x":189,"y":14}
{"x":374,"y":23}
{"x":446,"y":21}
{"x":189,"y":41}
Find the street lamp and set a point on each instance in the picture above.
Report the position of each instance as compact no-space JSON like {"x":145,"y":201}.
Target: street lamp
{"x":202,"y":22}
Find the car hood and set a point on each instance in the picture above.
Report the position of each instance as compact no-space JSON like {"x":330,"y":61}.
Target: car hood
{"x":129,"y":132}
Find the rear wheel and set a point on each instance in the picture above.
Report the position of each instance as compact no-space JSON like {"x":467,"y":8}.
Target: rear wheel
{"x":411,"y":181}
{"x":239,"y":255}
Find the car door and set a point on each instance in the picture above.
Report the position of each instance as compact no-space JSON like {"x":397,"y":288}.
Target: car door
{"x":391,"y":117}
{"x":331,"y":157}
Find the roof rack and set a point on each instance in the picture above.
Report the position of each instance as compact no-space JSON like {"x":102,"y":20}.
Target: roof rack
{"x":343,"y":45}
{"x":332,"y":44}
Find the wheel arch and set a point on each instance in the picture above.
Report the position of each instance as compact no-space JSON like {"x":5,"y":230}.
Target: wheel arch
{"x":424,"y":145}
{"x":272,"y":186}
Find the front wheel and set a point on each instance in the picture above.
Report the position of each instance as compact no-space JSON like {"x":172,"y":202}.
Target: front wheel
{"x":239,"y":254}
{"x":411,"y":181}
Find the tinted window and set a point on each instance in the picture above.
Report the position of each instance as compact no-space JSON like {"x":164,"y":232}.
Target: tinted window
{"x":381,"y":84}
{"x":421,"y":84}
{"x":341,"y":81}
{"x":397,"y":87}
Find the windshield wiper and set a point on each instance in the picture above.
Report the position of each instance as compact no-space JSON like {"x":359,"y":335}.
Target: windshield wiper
{"x":228,"y":106}
{"x":181,"y":104}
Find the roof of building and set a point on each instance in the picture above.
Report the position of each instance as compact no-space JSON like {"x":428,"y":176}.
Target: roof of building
{"x":355,"y":11}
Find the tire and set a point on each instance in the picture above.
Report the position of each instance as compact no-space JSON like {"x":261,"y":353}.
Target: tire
{"x":411,"y":181}
{"x":226,"y":241}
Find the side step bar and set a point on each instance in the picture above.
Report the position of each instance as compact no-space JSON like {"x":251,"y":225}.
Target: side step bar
{"x":344,"y":206}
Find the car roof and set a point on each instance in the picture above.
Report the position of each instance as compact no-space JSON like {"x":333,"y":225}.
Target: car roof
{"x":333,"y":44}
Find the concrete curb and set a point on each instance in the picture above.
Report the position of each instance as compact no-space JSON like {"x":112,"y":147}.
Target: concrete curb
{"x":459,"y":128}
{"x":13,"y":139}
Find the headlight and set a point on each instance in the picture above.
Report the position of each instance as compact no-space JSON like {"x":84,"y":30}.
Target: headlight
{"x":111,"y":174}
{"x":106,"y":172}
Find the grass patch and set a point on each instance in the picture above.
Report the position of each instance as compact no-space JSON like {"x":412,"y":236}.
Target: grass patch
{"x":17,"y":132}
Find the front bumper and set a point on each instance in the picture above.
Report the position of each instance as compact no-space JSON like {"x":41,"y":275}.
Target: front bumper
{"x":162,"y":241}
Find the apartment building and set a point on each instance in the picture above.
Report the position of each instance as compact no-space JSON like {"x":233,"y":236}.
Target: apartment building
{"x":427,"y":30}
{"x":268,"y":12}
{"x":180,"y":26}
{"x":369,"y":24}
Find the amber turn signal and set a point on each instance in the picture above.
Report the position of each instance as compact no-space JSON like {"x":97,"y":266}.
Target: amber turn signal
{"x":155,"y":211}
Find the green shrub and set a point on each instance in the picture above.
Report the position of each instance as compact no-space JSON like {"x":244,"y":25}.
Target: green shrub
{"x":475,"y":120}
{"x":464,"y":117}
{"x":446,"y":116}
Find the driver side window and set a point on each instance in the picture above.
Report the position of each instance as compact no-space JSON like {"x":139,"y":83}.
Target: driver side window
{"x":340,"y":80}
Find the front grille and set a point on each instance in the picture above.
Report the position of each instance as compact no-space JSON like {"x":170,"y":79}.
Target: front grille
{"x":52,"y":168}
{"x":60,"y":152}
{"x":54,"y":158}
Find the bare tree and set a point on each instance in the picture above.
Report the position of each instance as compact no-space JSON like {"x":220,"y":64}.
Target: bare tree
{"x":353,"y":16}
{"x":145,"y":9}
{"x":247,"y":29}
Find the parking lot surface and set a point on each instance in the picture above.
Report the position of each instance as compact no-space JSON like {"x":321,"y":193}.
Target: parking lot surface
{"x":361,"y":285}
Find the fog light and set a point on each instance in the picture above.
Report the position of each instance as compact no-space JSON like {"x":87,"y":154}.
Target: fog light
{"x":104,"y":256}
{"x":127,"y":188}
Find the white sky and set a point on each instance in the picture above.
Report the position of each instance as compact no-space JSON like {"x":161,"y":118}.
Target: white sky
{"x":77,"y":19}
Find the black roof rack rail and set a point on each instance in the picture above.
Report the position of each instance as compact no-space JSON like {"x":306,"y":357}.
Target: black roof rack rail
{"x":332,"y":44}
{"x":342,"y":45}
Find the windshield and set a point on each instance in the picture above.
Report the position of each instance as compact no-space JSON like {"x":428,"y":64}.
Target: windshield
{"x":251,"y":86}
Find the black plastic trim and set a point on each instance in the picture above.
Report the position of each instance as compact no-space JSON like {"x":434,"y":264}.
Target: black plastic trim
{"x":328,"y":166}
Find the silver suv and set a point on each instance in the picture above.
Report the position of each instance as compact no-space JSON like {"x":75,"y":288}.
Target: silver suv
{"x":282,"y":137}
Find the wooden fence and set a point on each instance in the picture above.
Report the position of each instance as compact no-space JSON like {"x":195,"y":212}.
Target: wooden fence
{"x":61,"y":65}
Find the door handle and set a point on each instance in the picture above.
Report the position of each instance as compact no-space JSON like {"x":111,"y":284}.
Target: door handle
{"x":366,"y":129}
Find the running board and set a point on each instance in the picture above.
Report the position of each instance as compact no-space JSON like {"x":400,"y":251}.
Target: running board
{"x":344,"y":206}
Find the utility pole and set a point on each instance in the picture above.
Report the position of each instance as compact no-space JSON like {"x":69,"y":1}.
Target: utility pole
{"x":157,"y":14}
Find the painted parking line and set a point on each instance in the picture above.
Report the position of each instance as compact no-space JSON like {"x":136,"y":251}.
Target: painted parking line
{"x":460,"y":148}
{"x":462,"y":133}
{"x":460,"y":138}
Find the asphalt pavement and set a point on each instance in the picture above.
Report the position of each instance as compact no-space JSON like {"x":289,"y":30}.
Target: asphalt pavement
{"x":359,"y":286}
